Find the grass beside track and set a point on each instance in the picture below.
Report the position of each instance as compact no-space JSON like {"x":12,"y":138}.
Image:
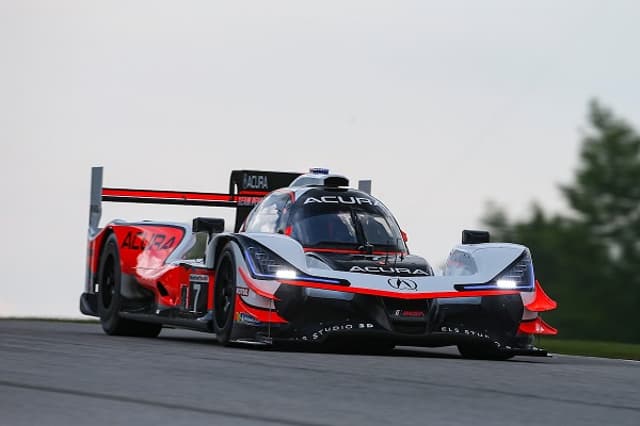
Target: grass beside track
{"x":592,"y":348}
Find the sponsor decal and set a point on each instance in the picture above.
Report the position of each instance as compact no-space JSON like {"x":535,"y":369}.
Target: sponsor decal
{"x":198,"y":278}
{"x":387,"y":270}
{"x":242,"y":291}
{"x":402,"y":284}
{"x":248,"y":201}
{"x":339,"y":199}
{"x":255,"y":182}
{"x":138,"y":241}
{"x":248,"y":319}
{"x":334,"y":328}
{"x":409,"y":314}
{"x":456,"y":330}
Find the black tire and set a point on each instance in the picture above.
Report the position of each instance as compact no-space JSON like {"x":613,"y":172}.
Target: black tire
{"x":110,"y":300}
{"x":224,"y":296}
{"x":476,"y":351}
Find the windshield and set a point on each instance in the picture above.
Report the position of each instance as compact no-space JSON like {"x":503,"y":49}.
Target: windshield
{"x":346,"y":226}
{"x":376,"y":229}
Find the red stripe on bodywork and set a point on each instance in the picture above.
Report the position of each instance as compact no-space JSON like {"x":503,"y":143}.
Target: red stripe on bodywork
{"x":262,"y":315}
{"x":537,"y":326}
{"x":542,"y":301}
{"x":252,"y":285}
{"x":169,"y":195}
{"x":212,"y":283}
{"x":349,"y":251}
{"x":407,"y":295}
{"x":254,"y":193}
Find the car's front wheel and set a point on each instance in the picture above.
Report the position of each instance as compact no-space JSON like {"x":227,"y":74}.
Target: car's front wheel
{"x":224,"y":295}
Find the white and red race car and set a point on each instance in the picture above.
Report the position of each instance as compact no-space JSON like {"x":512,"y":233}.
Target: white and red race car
{"x":311,"y":260}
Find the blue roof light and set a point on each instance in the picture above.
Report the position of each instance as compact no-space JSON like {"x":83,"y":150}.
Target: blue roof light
{"x":319,"y":170}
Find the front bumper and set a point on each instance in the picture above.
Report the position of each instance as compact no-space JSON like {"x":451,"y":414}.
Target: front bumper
{"x":489,"y":320}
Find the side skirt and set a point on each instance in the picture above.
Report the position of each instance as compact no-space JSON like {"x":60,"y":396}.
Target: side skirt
{"x":203,"y":323}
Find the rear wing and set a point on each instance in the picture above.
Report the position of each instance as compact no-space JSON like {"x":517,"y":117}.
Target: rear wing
{"x":246,"y":189}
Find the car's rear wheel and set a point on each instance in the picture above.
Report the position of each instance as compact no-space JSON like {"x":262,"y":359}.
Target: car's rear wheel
{"x":483,"y":352}
{"x":224,"y":295}
{"x":110,"y":299}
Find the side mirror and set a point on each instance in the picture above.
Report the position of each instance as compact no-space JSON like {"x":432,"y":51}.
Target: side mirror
{"x":475,"y":237}
{"x":405,"y":237}
{"x":210,"y":225}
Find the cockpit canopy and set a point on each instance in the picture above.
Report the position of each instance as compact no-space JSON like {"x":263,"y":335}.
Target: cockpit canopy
{"x":329,"y":218}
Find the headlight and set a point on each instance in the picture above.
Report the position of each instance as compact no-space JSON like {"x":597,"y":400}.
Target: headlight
{"x":266,"y":265}
{"x":518,"y":276}
{"x":506,"y":283}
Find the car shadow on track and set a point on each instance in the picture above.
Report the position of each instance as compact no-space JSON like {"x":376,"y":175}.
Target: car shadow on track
{"x":447,"y":352}
{"x":334,"y":349}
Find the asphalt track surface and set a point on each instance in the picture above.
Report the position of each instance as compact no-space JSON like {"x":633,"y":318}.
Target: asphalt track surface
{"x":72,"y":374}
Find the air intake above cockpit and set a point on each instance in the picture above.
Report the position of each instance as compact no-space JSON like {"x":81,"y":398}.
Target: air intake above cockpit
{"x":320,"y":176}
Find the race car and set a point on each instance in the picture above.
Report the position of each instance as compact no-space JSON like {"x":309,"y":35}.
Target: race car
{"x":311,"y":260}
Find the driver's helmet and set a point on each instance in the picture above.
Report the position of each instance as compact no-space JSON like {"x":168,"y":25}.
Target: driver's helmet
{"x":339,"y":228}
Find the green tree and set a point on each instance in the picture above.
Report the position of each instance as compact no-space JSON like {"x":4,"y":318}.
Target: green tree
{"x":589,"y":260}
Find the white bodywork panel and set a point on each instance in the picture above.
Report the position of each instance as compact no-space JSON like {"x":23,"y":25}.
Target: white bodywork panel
{"x":491,"y":259}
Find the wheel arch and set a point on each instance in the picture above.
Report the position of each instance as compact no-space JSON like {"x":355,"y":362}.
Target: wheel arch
{"x":227,"y":252}
{"x":106,"y":233}
{"x":215,"y":247}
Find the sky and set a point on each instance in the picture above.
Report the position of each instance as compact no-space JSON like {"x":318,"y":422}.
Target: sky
{"x":444,"y":105}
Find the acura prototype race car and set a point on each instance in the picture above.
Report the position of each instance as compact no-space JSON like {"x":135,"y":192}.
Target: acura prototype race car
{"x":310,"y":260}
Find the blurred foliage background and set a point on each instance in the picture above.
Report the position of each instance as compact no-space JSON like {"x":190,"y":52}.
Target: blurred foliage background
{"x":588,"y":259}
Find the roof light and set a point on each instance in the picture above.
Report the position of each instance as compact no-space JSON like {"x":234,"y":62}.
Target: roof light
{"x":319,"y":170}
